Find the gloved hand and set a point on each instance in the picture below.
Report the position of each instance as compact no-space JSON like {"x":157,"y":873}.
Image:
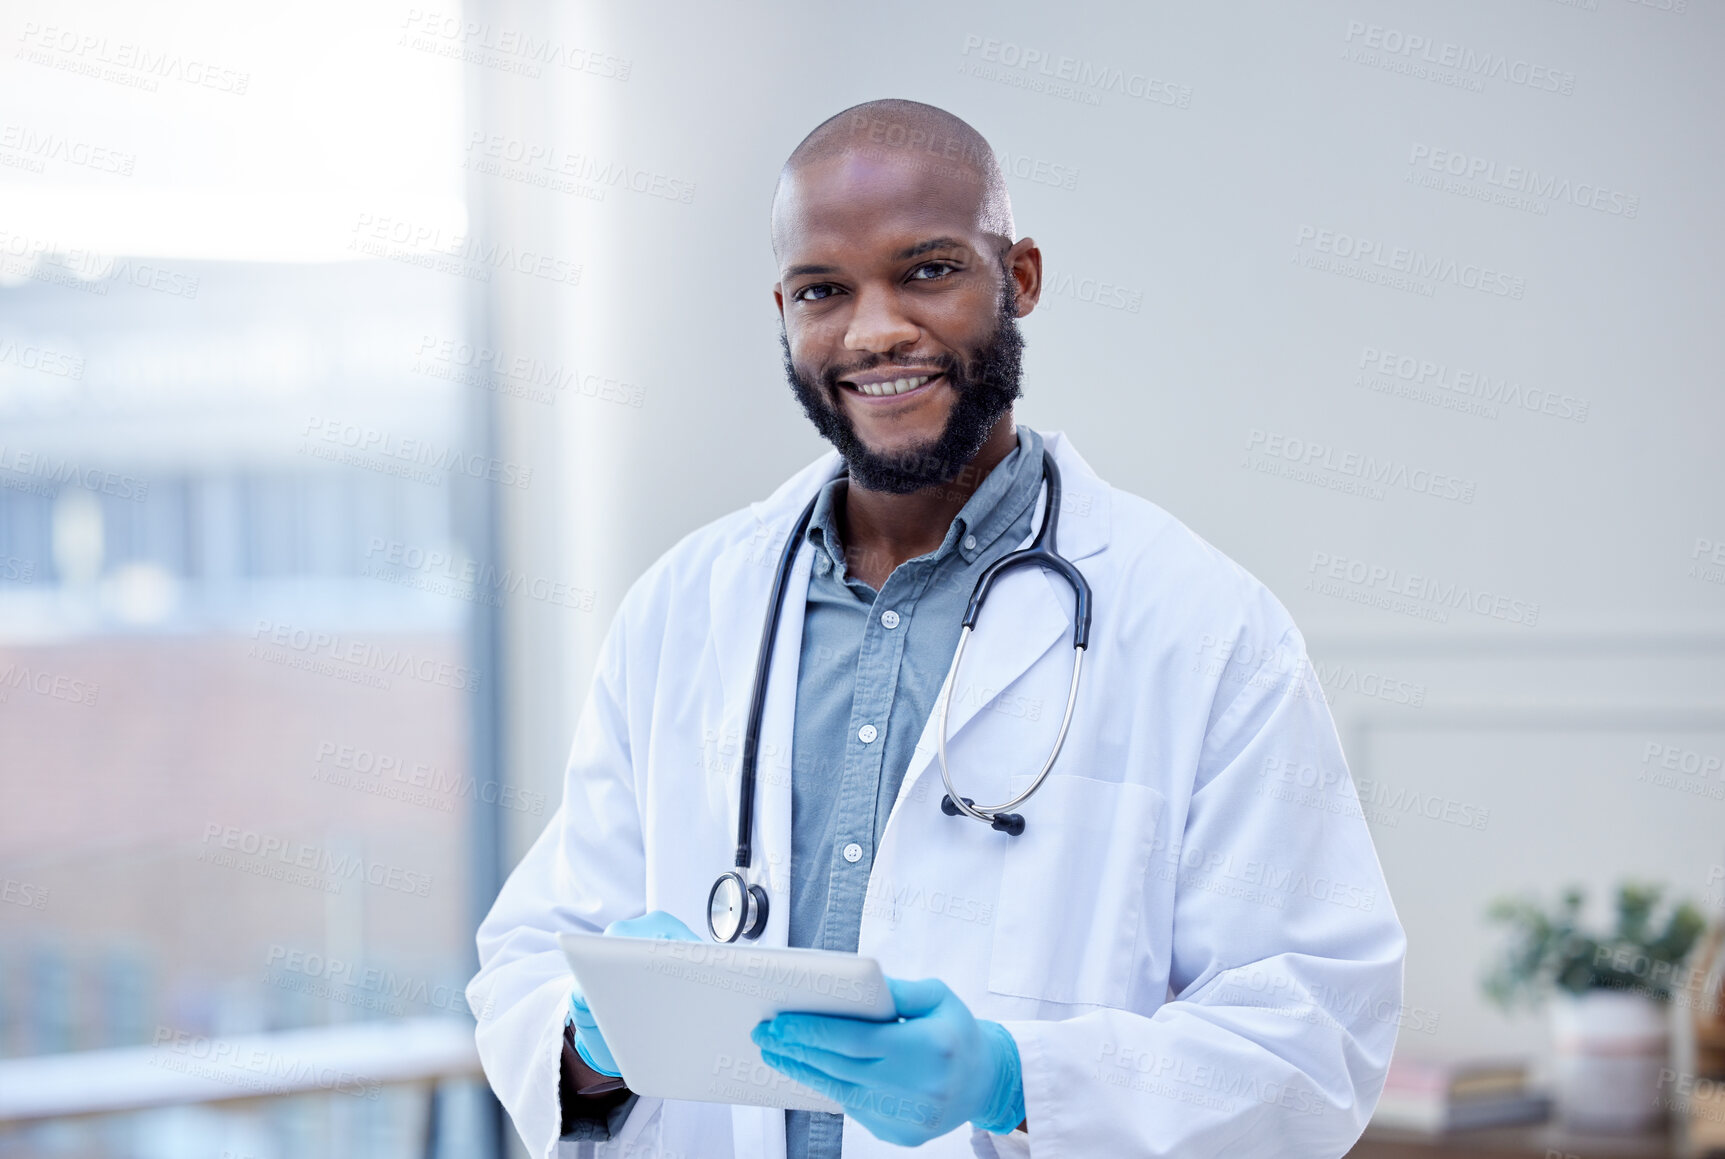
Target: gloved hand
{"x":589,"y":1043}
{"x":907,"y":1081}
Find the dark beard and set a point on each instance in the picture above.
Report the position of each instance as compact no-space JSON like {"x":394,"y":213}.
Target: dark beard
{"x":986,"y":386}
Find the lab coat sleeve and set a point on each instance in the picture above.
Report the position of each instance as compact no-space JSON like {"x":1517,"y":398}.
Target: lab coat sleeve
{"x":584,"y":871}
{"x":1286,"y":959}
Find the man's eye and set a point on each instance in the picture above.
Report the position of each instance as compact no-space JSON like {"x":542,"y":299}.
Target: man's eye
{"x":803,"y":295}
{"x":944,"y":268}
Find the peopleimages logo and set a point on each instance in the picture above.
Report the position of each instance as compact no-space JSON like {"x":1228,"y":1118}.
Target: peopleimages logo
{"x":453,"y":573}
{"x":37,"y":146}
{"x":37,"y":473}
{"x":518,"y":373}
{"x":1459,"y":384}
{"x":1520,"y":179}
{"x":23,"y":893}
{"x":355,"y":985}
{"x":1393,"y":45}
{"x":243,"y":1065}
{"x":367,"y":446}
{"x":138,"y":66}
{"x":1146,"y":1070}
{"x":496,"y":45}
{"x":465,"y":255}
{"x":1370,"y":256}
{"x":88,"y":271}
{"x":1392,"y":589}
{"x":57,"y":685}
{"x":1711,"y":554}
{"x":360,"y":661}
{"x":314,"y":861}
{"x":1039,"y":70}
{"x":568,"y":171}
{"x":397,"y":777}
{"x":1369,"y":470}
{"x":43,"y":359}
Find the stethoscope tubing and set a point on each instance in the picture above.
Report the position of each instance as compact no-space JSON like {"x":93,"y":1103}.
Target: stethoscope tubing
{"x":758,"y":698}
{"x":1041,"y":552}
{"x":987,"y":813}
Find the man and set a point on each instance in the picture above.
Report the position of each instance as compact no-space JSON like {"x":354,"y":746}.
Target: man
{"x":1189,"y":949}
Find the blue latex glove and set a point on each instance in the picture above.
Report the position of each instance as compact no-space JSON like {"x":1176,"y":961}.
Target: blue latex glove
{"x":907,"y":1081}
{"x":589,"y":1043}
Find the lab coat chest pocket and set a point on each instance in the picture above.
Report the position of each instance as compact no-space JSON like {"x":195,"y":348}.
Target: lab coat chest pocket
{"x":1072,"y":891}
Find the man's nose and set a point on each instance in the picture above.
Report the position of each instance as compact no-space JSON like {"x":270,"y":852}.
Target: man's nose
{"x":877,"y":324}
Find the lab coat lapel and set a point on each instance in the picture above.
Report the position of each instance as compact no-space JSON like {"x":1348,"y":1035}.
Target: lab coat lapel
{"x":742,"y":581}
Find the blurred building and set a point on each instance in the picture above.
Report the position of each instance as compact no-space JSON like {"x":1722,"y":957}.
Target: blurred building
{"x":234,"y":693}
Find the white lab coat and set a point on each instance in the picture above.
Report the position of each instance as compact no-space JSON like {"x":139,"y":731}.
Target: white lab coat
{"x":1191,"y":942}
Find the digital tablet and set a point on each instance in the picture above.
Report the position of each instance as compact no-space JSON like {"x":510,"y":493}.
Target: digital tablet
{"x":677,"y":1015}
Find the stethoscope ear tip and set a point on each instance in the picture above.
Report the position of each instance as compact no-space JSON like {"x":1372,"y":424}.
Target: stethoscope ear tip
{"x":951,"y":810}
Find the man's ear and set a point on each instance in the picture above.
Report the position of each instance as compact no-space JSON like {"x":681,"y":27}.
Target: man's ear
{"x":1024,"y":265}
{"x":779,"y":299}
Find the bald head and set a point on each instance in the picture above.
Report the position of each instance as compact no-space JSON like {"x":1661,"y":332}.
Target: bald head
{"x":928,"y":139}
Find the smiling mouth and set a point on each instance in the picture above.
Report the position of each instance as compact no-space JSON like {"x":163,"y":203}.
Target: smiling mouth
{"x":889,"y":389}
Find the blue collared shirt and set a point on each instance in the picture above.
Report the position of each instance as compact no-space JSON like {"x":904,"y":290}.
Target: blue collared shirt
{"x":872,"y":666}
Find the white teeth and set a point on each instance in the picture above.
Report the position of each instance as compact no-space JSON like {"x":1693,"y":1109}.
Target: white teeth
{"x":899,"y":386}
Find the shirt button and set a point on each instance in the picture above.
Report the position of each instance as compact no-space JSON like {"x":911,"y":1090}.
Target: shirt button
{"x":853,"y":853}
{"x":889,"y":618}
{"x":823,"y":564}
{"x":867,"y":733}
{"x":970,"y":543}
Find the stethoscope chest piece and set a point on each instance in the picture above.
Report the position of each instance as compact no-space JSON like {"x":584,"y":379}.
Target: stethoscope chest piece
{"x":736,"y":909}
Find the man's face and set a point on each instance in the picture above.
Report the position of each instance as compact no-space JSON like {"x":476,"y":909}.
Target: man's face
{"x":886,"y":281}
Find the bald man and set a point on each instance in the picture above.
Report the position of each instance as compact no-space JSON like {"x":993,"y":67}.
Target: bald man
{"x":1197,"y":959}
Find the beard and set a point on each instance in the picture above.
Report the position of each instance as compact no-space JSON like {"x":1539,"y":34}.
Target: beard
{"x":986,"y":385}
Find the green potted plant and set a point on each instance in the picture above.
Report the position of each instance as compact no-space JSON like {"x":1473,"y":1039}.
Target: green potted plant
{"x":1608,"y":992}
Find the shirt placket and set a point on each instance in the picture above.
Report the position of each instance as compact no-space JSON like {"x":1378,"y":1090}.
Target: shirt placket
{"x":878,"y":664}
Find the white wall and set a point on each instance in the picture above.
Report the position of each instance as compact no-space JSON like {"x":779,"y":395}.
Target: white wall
{"x":1198,"y":209}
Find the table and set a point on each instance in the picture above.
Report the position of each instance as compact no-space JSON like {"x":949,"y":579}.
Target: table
{"x":1543,"y":1141}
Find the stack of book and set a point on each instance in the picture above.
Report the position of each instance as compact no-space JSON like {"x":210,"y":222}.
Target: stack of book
{"x":1703,"y":1091}
{"x":1422,"y":1095}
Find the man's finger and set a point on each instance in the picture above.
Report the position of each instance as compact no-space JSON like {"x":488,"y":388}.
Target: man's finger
{"x":605,"y":1066}
{"x":580,"y":1013}
{"x":847,"y":1036}
{"x":657,"y":924}
{"x":915,"y":999}
{"x":821,"y":1083}
{"x":862,"y":1071}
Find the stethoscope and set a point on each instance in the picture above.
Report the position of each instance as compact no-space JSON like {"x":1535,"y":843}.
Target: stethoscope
{"x":735,"y":908}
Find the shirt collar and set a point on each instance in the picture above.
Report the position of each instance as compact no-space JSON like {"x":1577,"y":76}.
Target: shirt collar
{"x":991,"y":509}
